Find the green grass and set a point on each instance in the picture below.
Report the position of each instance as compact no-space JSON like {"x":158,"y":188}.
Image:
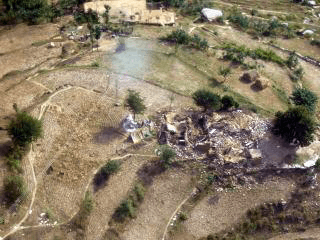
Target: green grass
{"x":40,"y":43}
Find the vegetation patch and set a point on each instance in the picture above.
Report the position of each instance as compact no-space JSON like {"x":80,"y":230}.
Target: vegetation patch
{"x":14,"y":188}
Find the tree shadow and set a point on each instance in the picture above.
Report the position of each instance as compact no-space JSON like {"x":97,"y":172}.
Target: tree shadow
{"x":213,"y":82}
{"x":5,"y":148}
{"x":108,"y":134}
{"x":255,"y":87}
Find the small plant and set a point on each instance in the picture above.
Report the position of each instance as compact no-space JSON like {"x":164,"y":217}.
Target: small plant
{"x":167,"y":154}
{"x":183,"y":216}
{"x":317,"y":164}
{"x":225,"y":72}
{"x":297,"y":74}
{"x":2,"y":220}
{"x":95,"y":64}
{"x":292,"y":60}
{"x":49,"y":213}
{"x":139,"y":191}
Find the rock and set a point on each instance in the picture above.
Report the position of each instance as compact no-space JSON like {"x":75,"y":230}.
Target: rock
{"x":312,"y":3}
{"x":250,"y":76}
{"x":261,"y":83}
{"x":71,"y":37}
{"x":79,"y":27}
{"x":308,"y":32}
{"x":136,"y":137}
{"x":51,"y":45}
{"x":285,"y":24}
{"x":211,"y":14}
{"x":171,"y":128}
{"x":255,"y":154}
{"x":203,"y":147}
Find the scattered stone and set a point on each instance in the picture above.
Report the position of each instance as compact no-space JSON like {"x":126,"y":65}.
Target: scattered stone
{"x":203,"y":147}
{"x":255,"y":154}
{"x":128,"y":124}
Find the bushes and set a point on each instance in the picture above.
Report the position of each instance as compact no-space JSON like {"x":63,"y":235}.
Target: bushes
{"x":240,"y":20}
{"x":236,"y":54}
{"x":209,"y":100}
{"x":315,"y":42}
{"x":182,"y":37}
{"x":292,"y":60}
{"x":14,"y":158}
{"x":129,"y":206}
{"x":86,"y":17}
{"x":296,"y":123}
{"x":14,"y":188}
{"x":306,"y":98}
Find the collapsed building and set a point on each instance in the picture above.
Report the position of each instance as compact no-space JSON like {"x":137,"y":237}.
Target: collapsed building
{"x":136,"y":11}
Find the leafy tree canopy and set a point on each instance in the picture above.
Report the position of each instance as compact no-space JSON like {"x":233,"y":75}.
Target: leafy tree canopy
{"x":296,"y":123}
{"x":207,"y":99}
{"x":135,"y":102}
{"x":24,"y":129}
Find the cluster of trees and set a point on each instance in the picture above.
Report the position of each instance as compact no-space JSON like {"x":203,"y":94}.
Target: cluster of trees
{"x":212,"y":101}
{"x":298,"y":123}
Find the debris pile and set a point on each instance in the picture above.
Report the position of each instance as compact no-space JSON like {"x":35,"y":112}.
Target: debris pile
{"x":226,"y":136}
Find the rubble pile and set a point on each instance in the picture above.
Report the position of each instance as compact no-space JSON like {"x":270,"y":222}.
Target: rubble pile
{"x":226,"y":136}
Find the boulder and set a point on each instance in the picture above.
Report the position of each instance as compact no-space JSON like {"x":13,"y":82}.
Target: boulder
{"x":51,"y":45}
{"x":254,"y":154}
{"x":308,"y":32}
{"x":211,"y":14}
{"x":250,"y":76}
{"x":312,"y":3}
{"x":171,"y":128}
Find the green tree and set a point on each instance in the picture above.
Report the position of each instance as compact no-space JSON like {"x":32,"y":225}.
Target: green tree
{"x":228,"y":102}
{"x":167,"y":154}
{"x":14,"y":187}
{"x":207,"y":99}
{"x":296,"y":123}
{"x":306,"y":98}
{"x":24,"y":129}
{"x":135,"y":103}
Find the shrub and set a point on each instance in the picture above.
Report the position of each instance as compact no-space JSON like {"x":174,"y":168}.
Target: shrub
{"x":306,"y":98}
{"x":228,"y":102}
{"x":1,"y":220}
{"x":267,"y":55}
{"x":183,"y":216}
{"x":315,"y":42}
{"x":297,"y":74}
{"x":292,"y":60}
{"x":14,"y":159}
{"x":126,"y":209}
{"x":179,"y":37}
{"x":296,"y":123}
{"x":87,"y":204}
{"x":139,"y":191}
{"x":24,"y":129}
{"x":14,"y":187}
{"x":240,"y":20}
{"x":207,"y":99}
{"x":167,"y":155}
